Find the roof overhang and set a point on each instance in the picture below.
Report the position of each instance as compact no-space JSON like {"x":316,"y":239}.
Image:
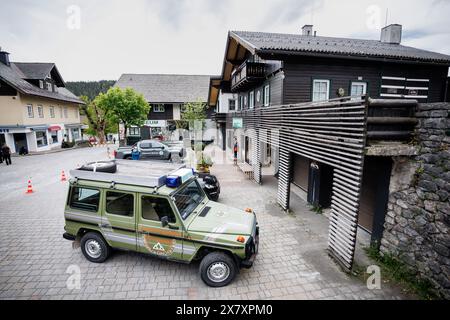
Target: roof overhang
{"x":236,"y":50}
{"x":282,"y":54}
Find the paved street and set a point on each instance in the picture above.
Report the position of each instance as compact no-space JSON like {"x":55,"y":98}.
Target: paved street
{"x":34,"y":258}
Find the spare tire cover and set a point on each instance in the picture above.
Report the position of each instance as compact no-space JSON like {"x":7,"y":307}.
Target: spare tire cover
{"x":100,"y":166}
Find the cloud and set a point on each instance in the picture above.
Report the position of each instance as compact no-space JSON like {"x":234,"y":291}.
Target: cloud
{"x":188,"y":36}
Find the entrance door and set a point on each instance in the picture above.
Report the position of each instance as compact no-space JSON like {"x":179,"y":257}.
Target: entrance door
{"x":374,"y":195}
{"x":154,"y":238}
{"x":247,"y":147}
{"x":20,"y":140}
{"x":119,"y":221}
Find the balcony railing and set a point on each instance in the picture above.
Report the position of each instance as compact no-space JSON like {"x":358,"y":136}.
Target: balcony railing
{"x":247,"y":73}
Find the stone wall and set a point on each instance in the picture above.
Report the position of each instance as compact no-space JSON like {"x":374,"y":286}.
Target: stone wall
{"x":417,"y":224}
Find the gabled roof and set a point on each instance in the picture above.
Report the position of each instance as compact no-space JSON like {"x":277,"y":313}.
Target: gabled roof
{"x":167,"y":88}
{"x":270,"y":42}
{"x":38,"y":71}
{"x":14,"y":77}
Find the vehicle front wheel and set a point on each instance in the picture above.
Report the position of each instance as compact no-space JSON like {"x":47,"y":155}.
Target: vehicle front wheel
{"x":94,"y":247}
{"x":217,"y":269}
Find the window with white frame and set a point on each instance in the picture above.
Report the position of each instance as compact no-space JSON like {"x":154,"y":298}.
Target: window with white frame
{"x":41,"y":84}
{"x":159,"y":108}
{"x":30,"y":111}
{"x":251,"y":99}
{"x":358,"y":88}
{"x":266,"y":96}
{"x":245,"y":101}
{"x":231,"y":104}
{"x":134,"y":131}
{"x":49,"y":86}
{"x":321,"y":90}
{"x":41,"y":138}
{"x":40,"y":111}
{"x":66,"y":112}
{"x":241,"y":103}
{"x":52,"y":112}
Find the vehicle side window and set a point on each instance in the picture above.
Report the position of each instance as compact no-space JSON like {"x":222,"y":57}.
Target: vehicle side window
{"x":146,"y":145}
{"x":154,"y":208}
{"x":85,"y":199}
{"x":119,"y":203}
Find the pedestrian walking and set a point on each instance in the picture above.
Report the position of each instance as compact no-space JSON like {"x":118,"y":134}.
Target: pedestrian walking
{"x":6,"y":154}
{"x":235,"y":151}
{"x":114,"y":140}
{"x":1,"y":155}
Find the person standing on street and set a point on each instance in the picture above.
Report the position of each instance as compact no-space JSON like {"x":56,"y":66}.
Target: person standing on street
{"x":6,"y":154}
{"x":1,"y":155}
{"x":235,"y":150}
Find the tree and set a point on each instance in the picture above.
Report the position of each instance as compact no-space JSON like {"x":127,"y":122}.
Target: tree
{"x":193,"y":111}
{"x":125,"y":106}
{"x":98,"y":118}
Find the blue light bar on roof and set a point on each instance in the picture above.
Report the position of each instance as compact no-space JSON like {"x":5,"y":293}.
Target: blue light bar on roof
{"x":179,"y":177}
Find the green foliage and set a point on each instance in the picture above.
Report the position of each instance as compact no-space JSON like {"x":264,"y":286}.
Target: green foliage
{"x":90,"y":89}
{"x":124,"y":105}
{"x":317,"y":208}
{"x":395,"y":270}
{"x":98,"y":118}
{"x":193,"y":111}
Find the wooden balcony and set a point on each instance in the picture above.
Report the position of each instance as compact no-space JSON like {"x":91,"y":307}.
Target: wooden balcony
{"x":248,"y":73}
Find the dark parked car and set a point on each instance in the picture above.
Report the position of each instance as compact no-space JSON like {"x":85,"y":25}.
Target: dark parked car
{"x":210,"y":184}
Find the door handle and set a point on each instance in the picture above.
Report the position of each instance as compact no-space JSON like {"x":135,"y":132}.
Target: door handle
{"x":105,"y":225}
{"x":174,"y":227}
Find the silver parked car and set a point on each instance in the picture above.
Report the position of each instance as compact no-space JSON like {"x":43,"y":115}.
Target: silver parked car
{"x":148,"y":149}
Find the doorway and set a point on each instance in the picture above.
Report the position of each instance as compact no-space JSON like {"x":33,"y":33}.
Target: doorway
{"x":20,"y":140}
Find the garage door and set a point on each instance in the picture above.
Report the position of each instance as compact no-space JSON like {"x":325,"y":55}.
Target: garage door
{"x":301,"y":172}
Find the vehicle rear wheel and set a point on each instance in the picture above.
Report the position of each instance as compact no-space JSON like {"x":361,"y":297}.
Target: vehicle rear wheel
{"x":217,"y":269}
{"x":127,"y":157}
{"x":94,"y":247}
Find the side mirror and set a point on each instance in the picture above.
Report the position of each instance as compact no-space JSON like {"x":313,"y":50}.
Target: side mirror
{"x":165,"y":221}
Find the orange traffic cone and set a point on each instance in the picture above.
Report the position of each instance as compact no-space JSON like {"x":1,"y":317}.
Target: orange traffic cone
{"x":63,"y":176}
{"x":30,"y":187}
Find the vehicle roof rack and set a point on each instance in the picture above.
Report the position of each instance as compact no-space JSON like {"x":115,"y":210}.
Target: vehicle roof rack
{"x":142,"y":173}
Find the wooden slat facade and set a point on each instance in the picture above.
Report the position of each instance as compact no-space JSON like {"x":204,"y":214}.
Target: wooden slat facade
{"x":331,"y":132}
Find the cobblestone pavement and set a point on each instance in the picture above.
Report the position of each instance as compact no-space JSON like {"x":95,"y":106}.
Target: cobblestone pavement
{"x":34,"y":258}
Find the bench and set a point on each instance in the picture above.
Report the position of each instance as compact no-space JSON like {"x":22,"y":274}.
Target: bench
{"x":246,"y":169}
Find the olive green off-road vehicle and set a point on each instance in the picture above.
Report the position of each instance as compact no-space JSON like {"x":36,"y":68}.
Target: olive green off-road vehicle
{"x":142,"y":207}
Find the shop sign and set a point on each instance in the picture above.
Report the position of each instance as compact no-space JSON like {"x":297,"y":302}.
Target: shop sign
{"x":237,"y":123}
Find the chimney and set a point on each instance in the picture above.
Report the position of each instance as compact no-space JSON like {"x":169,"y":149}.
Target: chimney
{"x":307,"y":30}
{"x":4,"y":57}
{"x":391,"y":34}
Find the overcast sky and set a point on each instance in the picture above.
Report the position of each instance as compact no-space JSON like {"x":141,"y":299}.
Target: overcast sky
{"x":94,"y":40}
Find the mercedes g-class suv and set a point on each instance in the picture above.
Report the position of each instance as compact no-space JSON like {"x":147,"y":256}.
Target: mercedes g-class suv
{"x":142,"y":208}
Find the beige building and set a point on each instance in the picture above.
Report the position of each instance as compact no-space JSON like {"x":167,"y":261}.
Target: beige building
{"x":37,"y":112}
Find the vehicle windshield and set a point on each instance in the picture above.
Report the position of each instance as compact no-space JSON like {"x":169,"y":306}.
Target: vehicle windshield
{"x":188,"y":198}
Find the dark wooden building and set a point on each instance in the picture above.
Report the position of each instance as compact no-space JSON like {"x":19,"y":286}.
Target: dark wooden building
{"x":167,"y":94}
{"x":270,"y":69}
